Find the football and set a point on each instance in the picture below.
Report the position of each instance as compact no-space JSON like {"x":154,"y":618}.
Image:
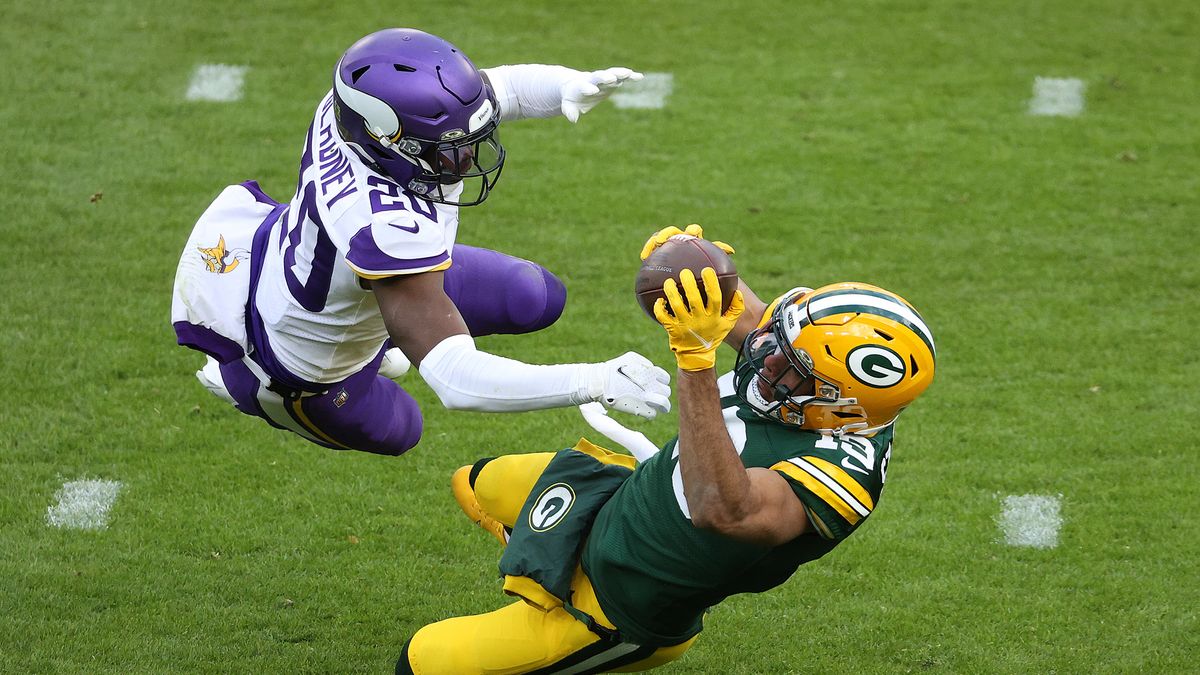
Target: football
{"x":679,"y":253}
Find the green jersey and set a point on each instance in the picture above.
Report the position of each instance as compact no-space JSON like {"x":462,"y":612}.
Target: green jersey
{"x":655,"y":573}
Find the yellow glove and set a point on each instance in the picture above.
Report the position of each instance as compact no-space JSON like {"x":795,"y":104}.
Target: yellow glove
{"x":659,"y":238}
{"x":696,"y":329}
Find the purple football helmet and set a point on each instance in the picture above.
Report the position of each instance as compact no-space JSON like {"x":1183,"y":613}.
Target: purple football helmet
{"x":418,"y":111}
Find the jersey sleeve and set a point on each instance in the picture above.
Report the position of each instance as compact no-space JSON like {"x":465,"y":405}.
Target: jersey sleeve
{"x":834,"y":501}
{"x":401,"y":244}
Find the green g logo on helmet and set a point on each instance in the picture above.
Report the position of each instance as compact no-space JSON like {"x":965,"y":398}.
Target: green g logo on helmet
{"x":875,"y":366}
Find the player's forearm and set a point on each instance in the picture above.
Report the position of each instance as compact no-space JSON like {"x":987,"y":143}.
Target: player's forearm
{"x":714,"y":479}
{"x":467,"y":379}
{"x":528,"y":90}
{"x":748,"y":321}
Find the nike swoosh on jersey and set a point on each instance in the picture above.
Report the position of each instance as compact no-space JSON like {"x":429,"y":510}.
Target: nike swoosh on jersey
{"x":414,"y":228}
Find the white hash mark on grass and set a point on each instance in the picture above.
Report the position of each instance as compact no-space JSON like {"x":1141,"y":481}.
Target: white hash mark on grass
{"x":83,"y":504}
{"x":650,"y":93}
{"x":217,"y":82}
{"x":1031,"y":520}
{"x":1057,"y":97}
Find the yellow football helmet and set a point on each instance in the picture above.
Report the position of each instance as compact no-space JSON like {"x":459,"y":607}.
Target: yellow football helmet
{"x":856,"y":356}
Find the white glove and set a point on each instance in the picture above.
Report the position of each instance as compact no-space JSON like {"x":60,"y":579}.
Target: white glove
{"x":633,"y":441}
{"x":534,"y":90}
{"x":581,"y":94}
{"x":630,"y":384}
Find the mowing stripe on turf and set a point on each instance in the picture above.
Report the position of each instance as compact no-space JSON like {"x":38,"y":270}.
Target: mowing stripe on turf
{"x":1031,"y":520}
{"x":1057,"y":97}
{"x":217,"y":82}
{"x":83,"y":504}
{"x":650,"y":93}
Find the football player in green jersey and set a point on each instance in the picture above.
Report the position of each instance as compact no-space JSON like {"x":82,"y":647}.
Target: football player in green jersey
{"x":774,"y":465}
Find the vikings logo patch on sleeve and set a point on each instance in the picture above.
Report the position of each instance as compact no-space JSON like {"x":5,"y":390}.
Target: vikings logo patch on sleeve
{"x":218,"y":260}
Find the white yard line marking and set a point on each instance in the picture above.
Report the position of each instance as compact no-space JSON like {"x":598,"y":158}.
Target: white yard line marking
{"x":1031,"y":520}
{"x":1057,"y":97}
{"x":216,"y":82}
{"x":83,"y":504}
{"x":650,"y":93}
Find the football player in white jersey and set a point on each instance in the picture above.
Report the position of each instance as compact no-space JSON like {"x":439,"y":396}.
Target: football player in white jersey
{"x":297,"y":320}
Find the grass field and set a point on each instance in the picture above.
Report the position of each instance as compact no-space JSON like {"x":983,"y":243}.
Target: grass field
{"x":1056,"y":259}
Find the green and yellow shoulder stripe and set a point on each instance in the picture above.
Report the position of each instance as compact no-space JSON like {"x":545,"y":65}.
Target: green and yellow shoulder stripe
{"x":839,"y":483}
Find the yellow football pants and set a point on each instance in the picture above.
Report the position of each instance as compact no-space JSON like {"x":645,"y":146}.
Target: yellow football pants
{"x":521,"y":638}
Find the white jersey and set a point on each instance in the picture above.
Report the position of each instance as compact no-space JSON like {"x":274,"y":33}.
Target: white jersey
{"x":345,"y":224}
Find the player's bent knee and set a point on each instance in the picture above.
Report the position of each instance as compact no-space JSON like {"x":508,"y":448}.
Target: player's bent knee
{"x":536,"y":298}
{"x":384,"y":419}
{"x":395,"y":446}
{"x":438,"y":649}
{"x":497,"y":293}
{"x":403,"y":667}
{"x":402,"y":433}
{"x":475,"y":469}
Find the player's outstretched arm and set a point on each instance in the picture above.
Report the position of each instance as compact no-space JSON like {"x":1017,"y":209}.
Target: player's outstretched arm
{"x":749,"y":319}
{"x":722,"y":495}
{"x":425,"y":324}
{"x":754,"y":505}
{"x":535,"y":90}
